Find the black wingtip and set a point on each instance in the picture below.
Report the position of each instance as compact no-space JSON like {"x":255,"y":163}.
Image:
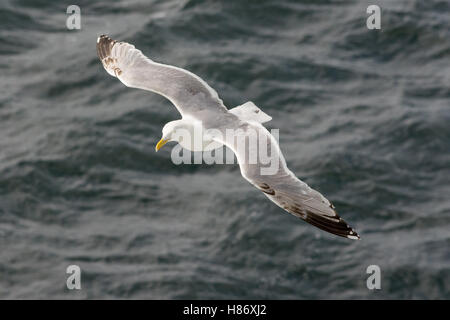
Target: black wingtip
{"x":337,"y":227}
{"x":104,"y":46}
{"x":353,"y":235}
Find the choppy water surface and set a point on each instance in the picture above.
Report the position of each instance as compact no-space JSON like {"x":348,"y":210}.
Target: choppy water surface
{"x":364,"y":118}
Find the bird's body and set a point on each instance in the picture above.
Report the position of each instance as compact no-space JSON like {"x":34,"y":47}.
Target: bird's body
{"x":239,"y":115}
{"x":202,"y":110}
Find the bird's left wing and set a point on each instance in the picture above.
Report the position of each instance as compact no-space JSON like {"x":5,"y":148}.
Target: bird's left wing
{"x":188,"y":92}
{"x":263,"y":165}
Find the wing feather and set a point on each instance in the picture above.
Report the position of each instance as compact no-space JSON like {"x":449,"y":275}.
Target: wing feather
{"x":188,"y":92}
{"x":282,"y":186}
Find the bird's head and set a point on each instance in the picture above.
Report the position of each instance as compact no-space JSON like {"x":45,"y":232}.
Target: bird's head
{"x":174,"y":131}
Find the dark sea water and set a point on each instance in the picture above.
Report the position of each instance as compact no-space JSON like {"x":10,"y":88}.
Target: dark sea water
{"x":364,"y":117}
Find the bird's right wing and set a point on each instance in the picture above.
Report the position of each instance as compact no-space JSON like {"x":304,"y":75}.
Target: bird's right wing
{"x":188,"y":92}
{"x":271,"y":176}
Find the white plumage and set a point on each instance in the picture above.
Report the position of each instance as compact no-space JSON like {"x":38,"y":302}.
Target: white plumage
{"x":200,"y":105}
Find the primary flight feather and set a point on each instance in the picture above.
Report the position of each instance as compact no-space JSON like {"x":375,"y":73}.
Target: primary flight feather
{"x":200,"y":105}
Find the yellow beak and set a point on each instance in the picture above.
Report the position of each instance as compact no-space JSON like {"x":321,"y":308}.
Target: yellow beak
{"x":161,"y":143}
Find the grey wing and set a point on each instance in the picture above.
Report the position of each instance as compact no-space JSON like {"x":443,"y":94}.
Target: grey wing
{"x":188,"y":92}
{"x":281,"y":186}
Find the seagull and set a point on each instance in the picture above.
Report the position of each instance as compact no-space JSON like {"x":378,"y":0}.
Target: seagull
{"x":201,"y":107}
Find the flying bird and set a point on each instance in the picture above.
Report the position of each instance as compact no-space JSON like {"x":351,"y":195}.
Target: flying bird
{"x":201,"y":107}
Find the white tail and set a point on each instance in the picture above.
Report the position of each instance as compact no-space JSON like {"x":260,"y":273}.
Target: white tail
{"x":250,"y":112}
